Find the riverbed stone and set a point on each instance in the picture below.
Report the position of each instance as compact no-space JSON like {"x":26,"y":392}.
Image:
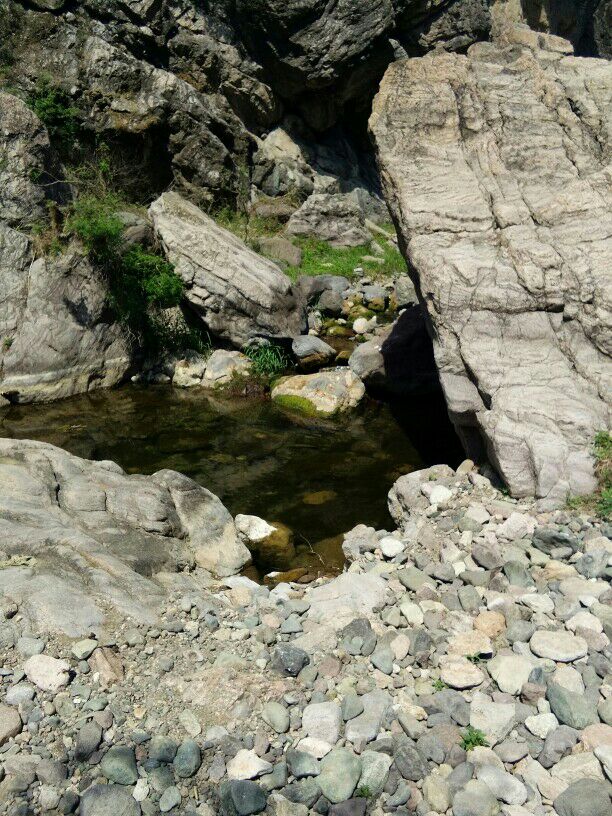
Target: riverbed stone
{"x":119,"y":765}
{"x":242,"y":798}
{"x":510,"y":672}
{"x":325,"y":393}
{"x":10,"y":723}
{"x":108,"y":800}
{"x":340,"y":772}
{"x":570,"y":708}
{"x":585,"y":797}
{"x":560,"y":646}
{"x":475,"y":799}
{"x":276,"y":716}
{"x":46,"y":672}
{"x":247,"y":765}
{"x":322,"y":721}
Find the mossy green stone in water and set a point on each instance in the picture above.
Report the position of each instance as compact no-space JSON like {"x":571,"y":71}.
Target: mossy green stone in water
{"x":301,"y":404}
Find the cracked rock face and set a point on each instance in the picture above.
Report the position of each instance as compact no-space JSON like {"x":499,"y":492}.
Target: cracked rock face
{"x":237,"y":293}
{"x":83,"y":543}
{"x":496,"y":168}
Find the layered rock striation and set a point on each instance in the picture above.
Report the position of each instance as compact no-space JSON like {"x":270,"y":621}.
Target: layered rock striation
{"x":496,"y":167}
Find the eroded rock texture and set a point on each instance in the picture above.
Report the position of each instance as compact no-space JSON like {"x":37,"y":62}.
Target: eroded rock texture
{"x":496,"y":167}
{"x":237,"y":293}
{"x":83,"y":543}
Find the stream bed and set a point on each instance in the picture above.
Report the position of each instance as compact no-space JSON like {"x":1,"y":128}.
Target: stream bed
{"x":318,"y":477}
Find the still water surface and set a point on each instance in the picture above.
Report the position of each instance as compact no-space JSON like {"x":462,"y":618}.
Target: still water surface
{"x":319,"y":477}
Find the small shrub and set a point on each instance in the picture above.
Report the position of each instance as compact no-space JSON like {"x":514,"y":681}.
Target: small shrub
{"x":54,"y":109}
{"x":601,"y":501}
{"x":96,"y":223}
{"x":161,"y":286}
{"x":473,"y":738}
{"x":439,"y":685}
{"x":363,"y":792}
{"x":269,"y":360}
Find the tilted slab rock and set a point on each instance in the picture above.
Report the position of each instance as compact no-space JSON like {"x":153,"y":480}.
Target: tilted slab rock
{"x":238,"y":293}
{"x":86,"y":542}
{"x":496,"y":167}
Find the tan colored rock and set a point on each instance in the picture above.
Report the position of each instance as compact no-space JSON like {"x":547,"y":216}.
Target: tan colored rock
{"x":491,"y":624}
{"x":10,"y":723}
{"x":108,"y":665}
{"x":325,"y":393}
{"x":504,"y":213}
{"x":470,"y":644}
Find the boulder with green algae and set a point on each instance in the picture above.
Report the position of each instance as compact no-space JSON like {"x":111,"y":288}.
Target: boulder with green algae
{"x":323,"y":394}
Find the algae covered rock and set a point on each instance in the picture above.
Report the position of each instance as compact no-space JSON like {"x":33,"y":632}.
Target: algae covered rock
{"x":323,"y":394}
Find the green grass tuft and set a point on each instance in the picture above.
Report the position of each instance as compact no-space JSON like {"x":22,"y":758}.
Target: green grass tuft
{"x":473,"y":738}
{"x":54,"y":108}
{"x":600,"y":502}
{"x":268,"y":361}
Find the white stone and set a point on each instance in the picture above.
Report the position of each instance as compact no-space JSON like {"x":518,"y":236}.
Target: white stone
{"x":604,"y":755}
{"x":436,"y":493}
{"x":561,"y":646}
{"x":538,"y":602}
{"x":577,"y":766}
{"x":315,"y":747}
{"x":390,"y":546}
{"x":541,"y":724}
{"x":141,"y":790}
{"x":584,"y":620}
{"x":569,"y":678}
{"x":458,"y":673}
{"x":48,"y":673}
{"x":517,"y":525}
{"x":510,"y":672}
{"x":247,"y":765}
{"x":412,"y":612}
{"x":322,"y":721}
{"x":495,"y":720}
{"x":252,"y":529}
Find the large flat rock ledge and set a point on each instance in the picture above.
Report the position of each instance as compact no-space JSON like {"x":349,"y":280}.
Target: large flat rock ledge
{"x":496,"y":167}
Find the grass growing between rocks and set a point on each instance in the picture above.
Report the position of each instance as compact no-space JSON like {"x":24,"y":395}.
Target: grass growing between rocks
{"x":473,"y":738}
{"x":143,"y":287}
{"x":601,"y":501}
{"x":269,"y":361}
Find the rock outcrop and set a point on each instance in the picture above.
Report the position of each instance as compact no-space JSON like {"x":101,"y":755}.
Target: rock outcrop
{"x":58,"y":336}
{"x":496,"y":167}
{"x":238,"y":294}
{"x":84,"y":544}
{"x":27,"y":169}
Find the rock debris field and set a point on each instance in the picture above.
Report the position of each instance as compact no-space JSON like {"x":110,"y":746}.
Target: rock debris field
{"x":460,"y":665}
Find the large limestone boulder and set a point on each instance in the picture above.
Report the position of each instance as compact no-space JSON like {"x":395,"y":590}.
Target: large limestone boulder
{"x":237,"y":293}
{"x":496,"y":167}
{"x":57,"y":335}
{"x":84,"y":544}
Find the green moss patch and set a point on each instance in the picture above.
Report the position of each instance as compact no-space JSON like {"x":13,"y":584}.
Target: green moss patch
{"x":300,"y":404}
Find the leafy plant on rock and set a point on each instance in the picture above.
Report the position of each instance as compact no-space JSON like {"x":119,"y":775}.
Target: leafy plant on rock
{"x":54,"y":108}
{"x":473,"y":738}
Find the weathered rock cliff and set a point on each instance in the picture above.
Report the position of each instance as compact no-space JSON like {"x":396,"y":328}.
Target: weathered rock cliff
{"x":496,"y":167}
